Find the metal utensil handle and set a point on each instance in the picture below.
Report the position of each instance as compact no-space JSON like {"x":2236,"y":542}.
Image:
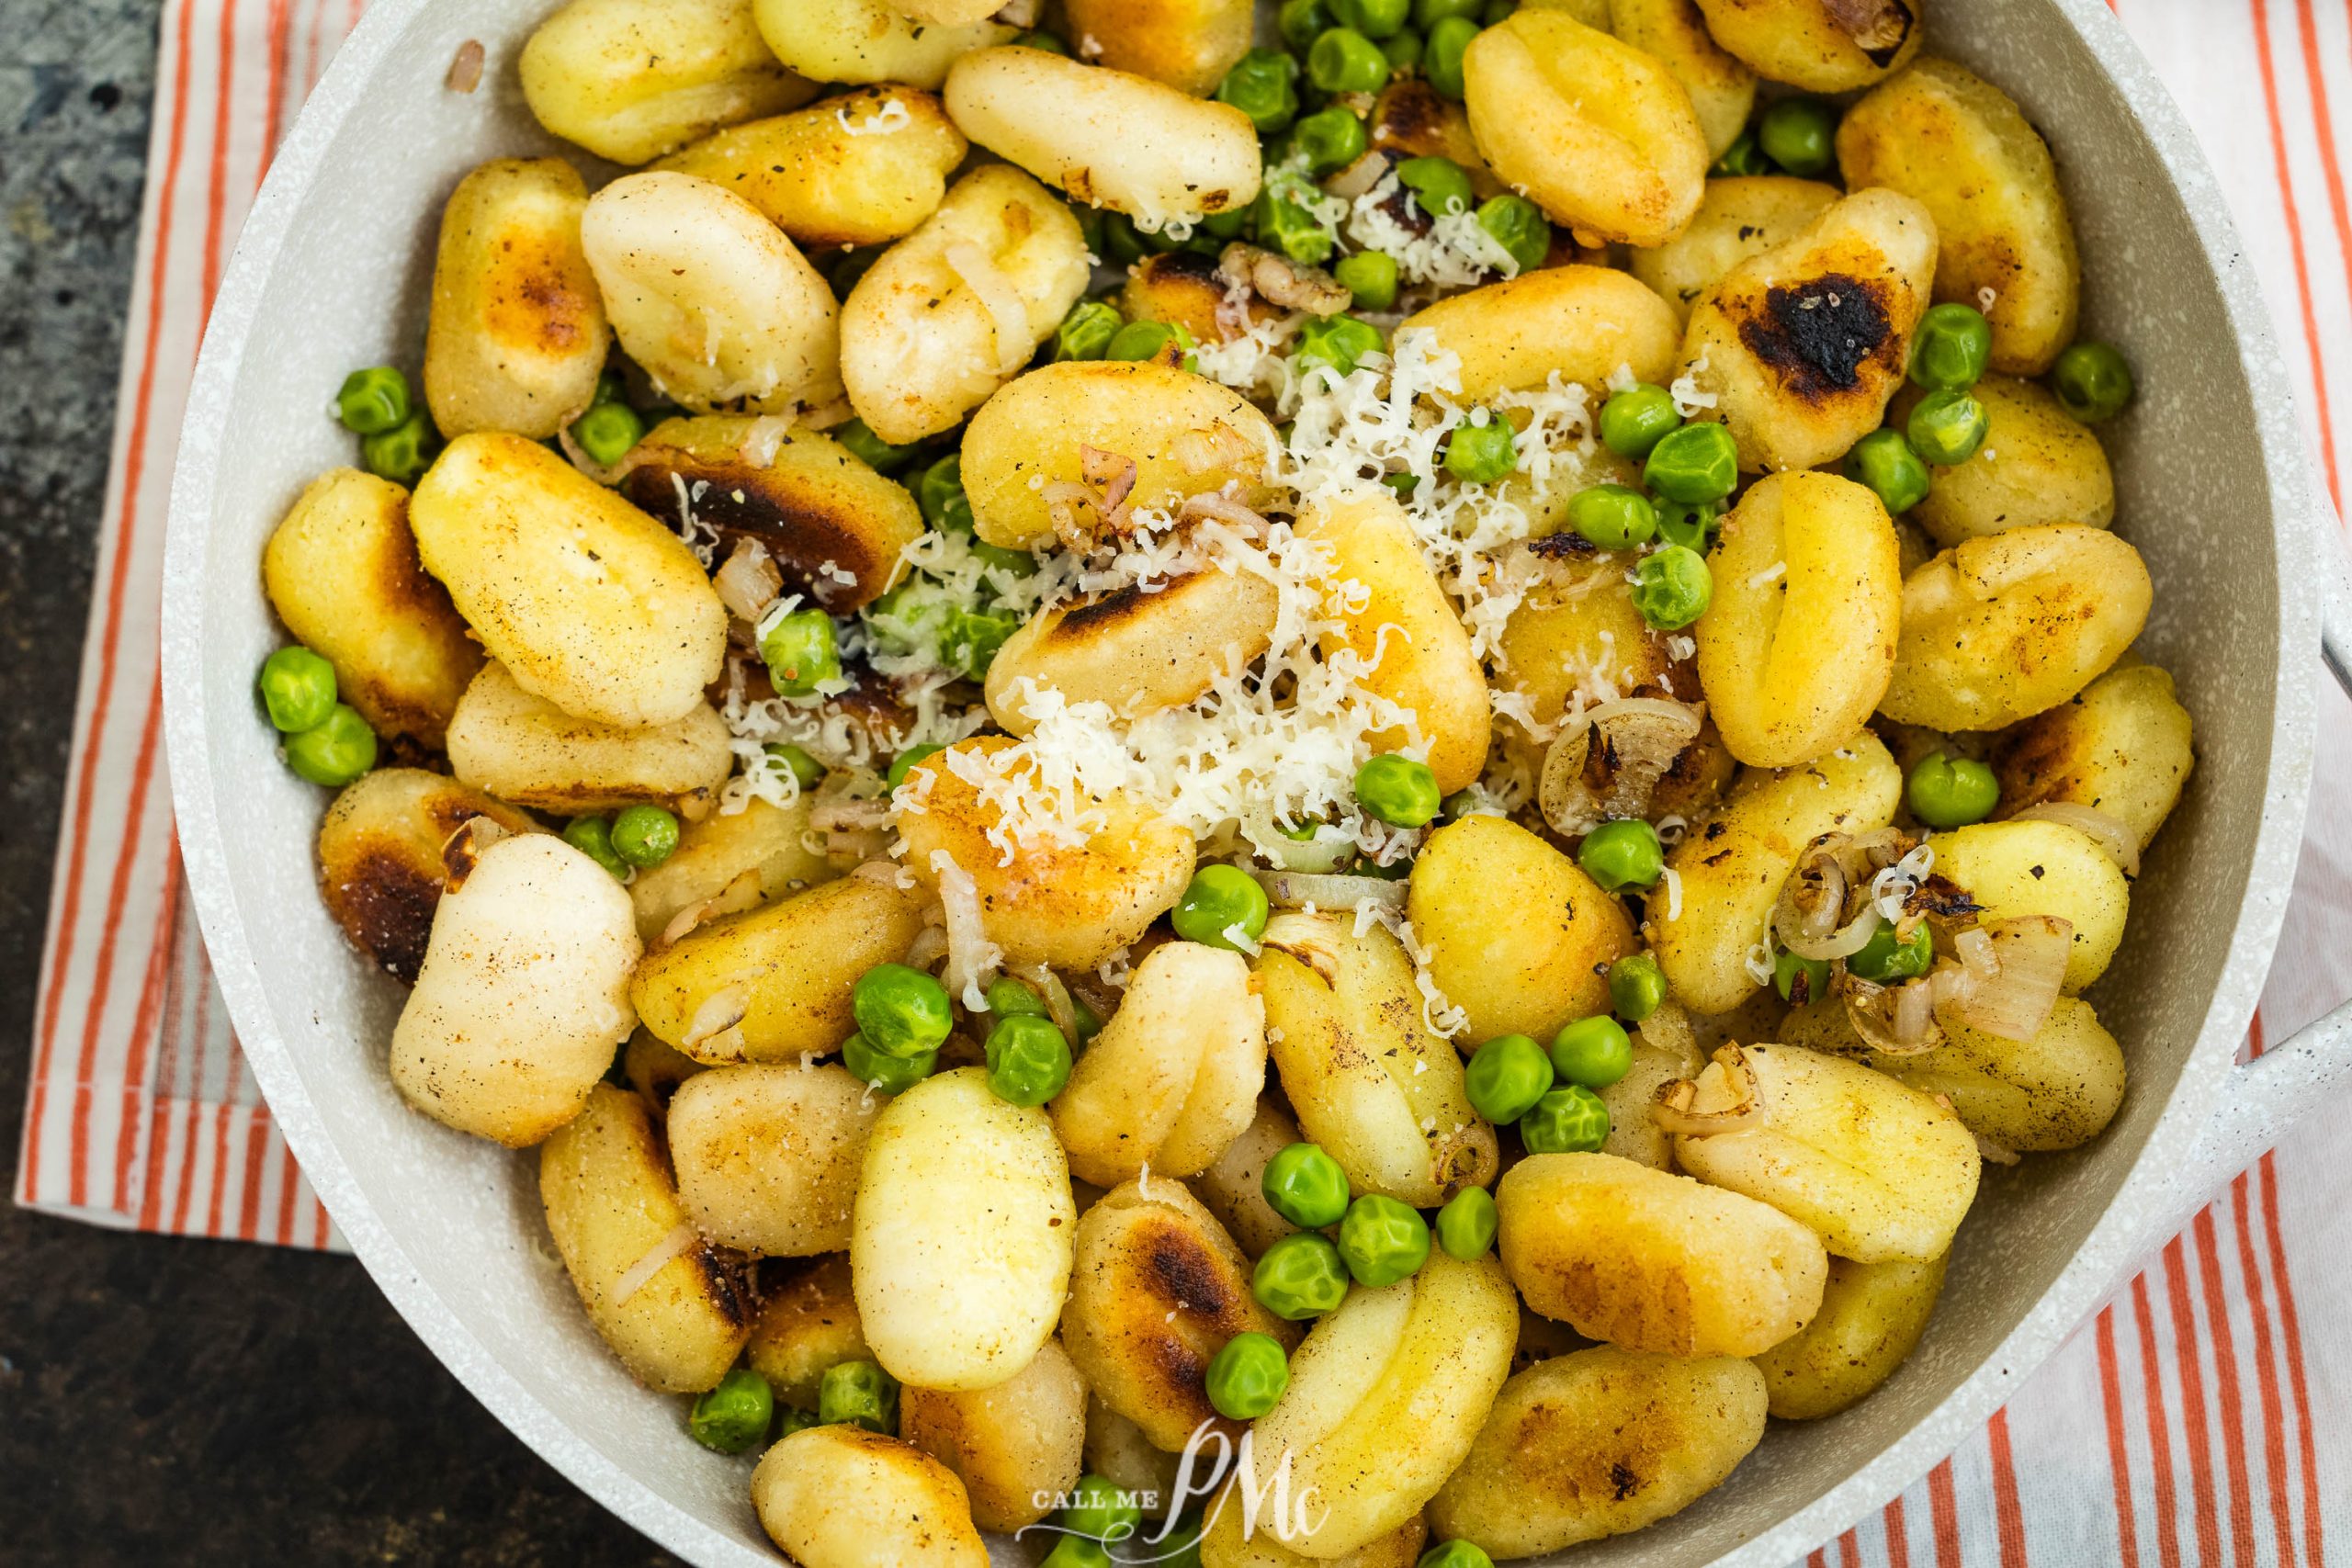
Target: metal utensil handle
{"x":2266,"y":1097}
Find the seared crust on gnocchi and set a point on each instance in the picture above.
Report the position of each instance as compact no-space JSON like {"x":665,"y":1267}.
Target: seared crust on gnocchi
{"x":381,"y":865}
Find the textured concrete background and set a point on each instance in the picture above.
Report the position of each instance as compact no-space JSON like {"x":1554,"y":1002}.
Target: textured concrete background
{"x":164,"y":1401}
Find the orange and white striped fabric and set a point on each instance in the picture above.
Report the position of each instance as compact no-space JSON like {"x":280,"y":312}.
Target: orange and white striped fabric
{"x":2203,"y":1417}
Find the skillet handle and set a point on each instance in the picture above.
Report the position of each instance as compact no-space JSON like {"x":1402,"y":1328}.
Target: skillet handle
{"x":2267,"y":1095}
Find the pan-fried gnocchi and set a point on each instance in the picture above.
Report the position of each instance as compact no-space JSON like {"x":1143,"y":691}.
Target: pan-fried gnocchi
{"x":1370,"y":1082}
{"x":517,"y":334}
{"x":1598,"y":131}
{"x":1802,"y":347}
{"x":1157,"y":1291}
{"x":863,"y":168}
{"x":1175,"y":1076}
{"x":583,"y":599}
{"x":910,"y":645}
{"x":1799,"y":645}
{"x":1107,"y":138}
{"x":952,"y":311}
{"x":1961,"y":146}
{"x":717,"y":305}
{"x":631,"y":79}
{"x":963,"y":1236}
{"x":1599,"y":1442}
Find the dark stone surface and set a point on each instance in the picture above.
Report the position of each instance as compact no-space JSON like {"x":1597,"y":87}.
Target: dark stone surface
{"x":164,"y":1401}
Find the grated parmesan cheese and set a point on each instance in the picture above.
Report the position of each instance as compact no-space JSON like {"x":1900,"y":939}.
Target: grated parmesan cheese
{"x":1688,"y":397}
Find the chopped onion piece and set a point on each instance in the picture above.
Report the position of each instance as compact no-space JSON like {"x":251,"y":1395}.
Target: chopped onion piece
{"x":721,"y":1011}
{"x":1671,"y":1107}
{"x":675,"y":1244}
{"x":1000,"y":299}
{"x":2015,"y":1001}
{"x":1899,"y":1020}
{"x":1641,"y":738}
{"x":749,"y":582}
{"x":1294,"y":889}
{"x":2122,"y":844}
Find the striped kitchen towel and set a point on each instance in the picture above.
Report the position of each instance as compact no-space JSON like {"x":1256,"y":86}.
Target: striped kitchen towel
{"x":2204,"y":1416}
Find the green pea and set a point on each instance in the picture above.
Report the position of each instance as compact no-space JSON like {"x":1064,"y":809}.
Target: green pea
{"x":871,"y":449}
{"x":1339,"y":342}
{"x":1952,"y":792}
{"x":1636,"y":986}
{"x":1454,"y":1554}
{"x":1439,"y":185}
{"x":1403,"y":49}
{"x":2092,"y":380}
{"x":1621,"y":854}
{"x":1299,"y":1277}
{"x":1884,"y":461}
{"x":1744,"y":157}
{"x":1519,"y":226}
{"x":1146,"y":340}
{"x":732,"y":1418}
{"x":1344,"y":61}
{"x":334,"y":752}
{"x":1399,"y":791}
{"x":1301,"y":22}
{"x":373,"y":401}
{"x":1634,"y":420}
{"x":1570,"y":1120}
{"x":1102,"y":1511}
{"x":901,"y":1011}
{"x":1672,"y":587}
{"x":1799,"y":134}
{"x":904,"y":762}
{"x":1594,"y":1051}
{"x":297,"y":688}
{"x":1230,"y":224}
{"x":1373,"y":18}
{"x":970,"y":643}
{"x":858,"y":1393}
{"x":644,"y":836}
{"x":1481,"y":453}
{"x":592,"y":836}
{"x":1696,"y":463}
{"x":1076,"y":1552}
{"x":1218,"y":899}
{"x":1428,"y":13}
{"x":890,"y":1074}
{"x":1283,"y":225}
{"x":1505,"y":1076}
{"x":939,"y":495}
{"x":1403,"y":484}
{"x":1008,"y":997}
{"x":1613,"y":517}
{"x":1028,"y":1060}
{"x":800,"y":652}
{"x":1497,"y":11}
{"x":790,"y":1419}
{"x":1086,"y":331}
{"x":1370,"y":276}
{"x":1800,"y":980}
{"x":1260,"y":87}
{"x":1383,"y":1240}
{"x":1691,"y":524}
{"x":805,"y":770}
{"x":1304,"y":1186}
{"x":1884,"y":960}
{"x":1087,"y":1024}
{"x":403,"y":453}
{"x":1442,"y":57}
{"x":1038,"y":38}
{"x":607,"y":430}
{"x":1466,"y":1225}
{"x":1946,"y":428}
{"x":1331,"y":139}
{"x":1247,"y":1376}
{"x":1951,"y":348}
